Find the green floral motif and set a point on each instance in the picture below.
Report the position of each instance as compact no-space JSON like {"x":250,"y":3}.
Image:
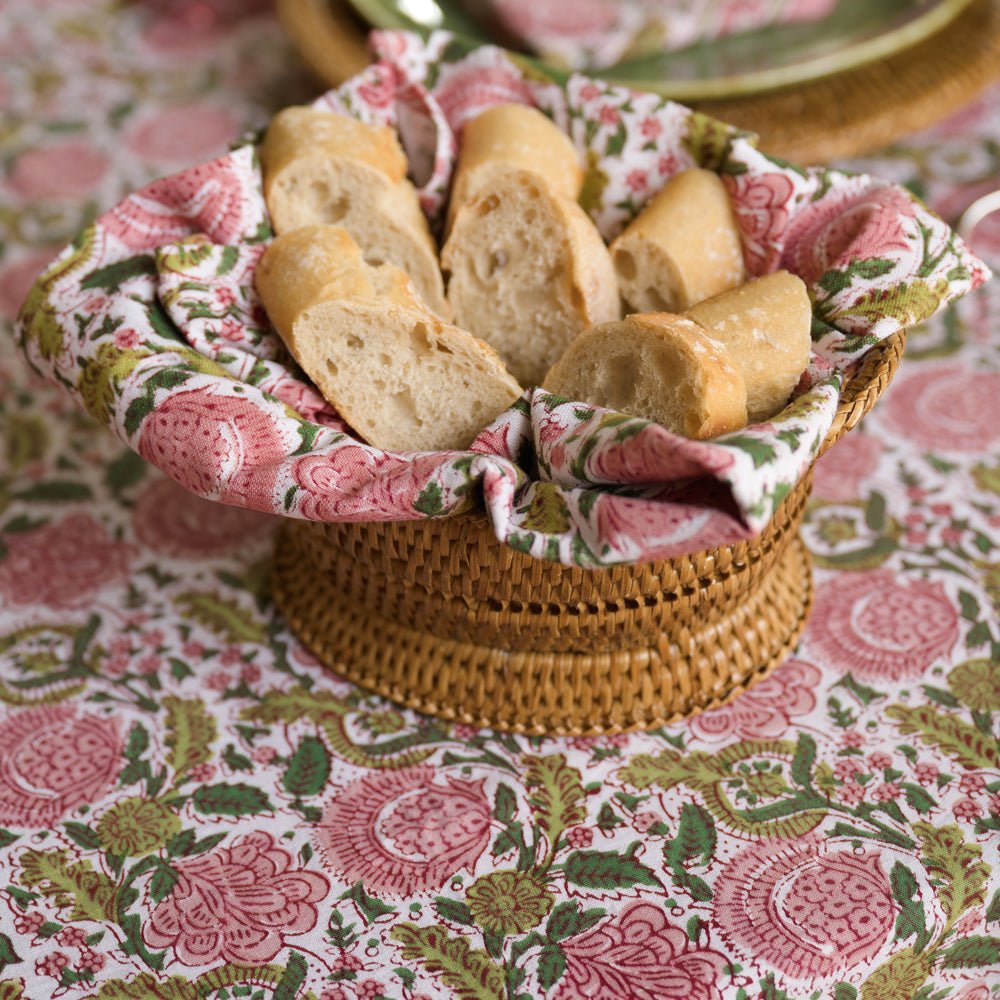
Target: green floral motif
{"x":837,"y":529}
{"x":509,"y":901}
{"x":976,"y":683}
{"x":987,"y":477}
{"x":137,"y":826}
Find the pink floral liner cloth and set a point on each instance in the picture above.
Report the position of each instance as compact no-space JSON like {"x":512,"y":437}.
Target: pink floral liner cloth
{"x":595,"y":34}
{"x":150,"y":320}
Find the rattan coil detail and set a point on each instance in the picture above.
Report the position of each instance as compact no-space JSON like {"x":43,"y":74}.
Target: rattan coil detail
{"x":439,"y":616}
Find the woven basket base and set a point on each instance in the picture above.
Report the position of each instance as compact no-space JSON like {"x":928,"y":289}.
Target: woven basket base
{"x":543,"y":693}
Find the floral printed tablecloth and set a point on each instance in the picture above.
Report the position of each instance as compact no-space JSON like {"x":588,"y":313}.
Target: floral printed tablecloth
{"x":191,"y":807}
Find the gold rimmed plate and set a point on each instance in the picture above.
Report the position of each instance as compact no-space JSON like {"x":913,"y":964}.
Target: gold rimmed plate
{"x":852,"y":35}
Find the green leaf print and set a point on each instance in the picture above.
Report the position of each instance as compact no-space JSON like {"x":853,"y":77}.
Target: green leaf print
{"x":191,"y":731}
{"x":950,"y":734}
{"x":470,"y":974}
{"x":972,"y":953}
{"x":309,"y":768}
{"x":89,"y":894}
{"x":223,"y":617}
{"x":557,"y":795}
{"x":230,"y":800}
{"x":606,"y":870}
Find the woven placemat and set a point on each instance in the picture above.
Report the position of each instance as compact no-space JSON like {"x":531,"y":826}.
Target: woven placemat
{"x":842,"y":115}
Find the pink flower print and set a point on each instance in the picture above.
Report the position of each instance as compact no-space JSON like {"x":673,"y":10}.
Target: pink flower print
{"x":380,"y":84}
{"x":29,"y":923}
{"x":202,"y":772}
{"x":590,"y":92}
{"x":349,"y":962}
{"x":951,"y":536}
{"x":971,"y":784}
{"x":263,"y":755}
{"x":941,"y":509}
{"x":579,"y":837}
{"x":220,"y":446}
{"x":208,"y":198}
{"x":192,"y":650}
{"x":806,"y":909}
{"x":183,"y":134}
{"x":650,"y":127}
{"x":609,"y":115}
{"x":335,"y":993}
{"x":886,"y":792}
{"x":968,"y":923}
{"x":841,"y":228}
{"x":925,"y":773}
{"x":52,"y":965}
{"x":467,"y":89}
{"x":879,"y":761}
{"x":174,"y":522}
{"x":881,"y":629}
{"x":153,"y":638}
{"x":231,"y":656}
{"x":361,"y":484}
{"x":250,"y":673}
{"x":127,"y":339}
{"x":667,"y":165}
{"x":69,"y":169}
{"x":852,"y":738}
{"x":53,"y":759}
{"x":851,"y":793}
{"x":767,"y":709}
{"x":840,"y":473}
{"x":946,"y":407}
{"x":967,"y":810}
{"x":636,"y":180}
{"x":846,"y":767}
{"x":403,"y":832}
{"x":644,"y":820}
{"x":90,"y":961}
{"x":368,"y":989}
{"x":62,"y":564}
{"x":761,"y":203}
{"x":638,"y":954}
{"x":237,"y":903}
{"x":232,"y":330}
{"x":225,"y":296}
{"x":218,"y":680}
{"x":149,"y":664}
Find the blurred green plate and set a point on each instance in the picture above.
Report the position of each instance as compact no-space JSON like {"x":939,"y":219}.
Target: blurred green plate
{"x":856,"y":32}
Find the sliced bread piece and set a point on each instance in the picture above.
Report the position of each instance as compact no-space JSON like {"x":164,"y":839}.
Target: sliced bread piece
{"x":513,"y":135}
{"x":529,"y":271}
{"x":765,"y":325}
{"x":400,"y":376}
{"x":683,"y":247}
{"x":659,"y":366}
{"x":322,"y":168}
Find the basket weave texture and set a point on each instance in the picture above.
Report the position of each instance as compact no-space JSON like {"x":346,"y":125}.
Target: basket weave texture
{"x":437,"y":615}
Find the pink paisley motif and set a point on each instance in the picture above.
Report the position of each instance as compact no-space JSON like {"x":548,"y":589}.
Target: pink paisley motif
{"x":401,"y":832}
{"x":837,"y":230}
{"x":204,"y":199}
{"x":62,"y":564}
{"x":219,"y":446}
{"x":654,"y":456}
{"x":238,"y":903}
{"x":174,"y":522}
{"x":359,"y":483}
{"x":879,"y":628}
{"x":470,"y":87}
{"x":69,"y":169}
{"x":762,"y":203}
{"x":766,"y":711}
{"x":808,"y":910}
{"x":841,"y":471}
{"x":640,"y":955}
{"x":946,"y":408}
{"x":53,"y":759}
{"x":659,"y":529}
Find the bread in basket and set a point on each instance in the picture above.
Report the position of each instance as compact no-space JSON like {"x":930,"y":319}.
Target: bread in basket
{"x":576,"y":570}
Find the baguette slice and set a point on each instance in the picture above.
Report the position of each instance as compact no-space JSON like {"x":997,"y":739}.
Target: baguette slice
{"x":765,"y":325}
{"x":659,"y":366}
{"x":322,"y":168}
{"x":683,"y":247}
{"x":513,"y":135}
{"x":529,"y":271}
{"x":399,"y":375}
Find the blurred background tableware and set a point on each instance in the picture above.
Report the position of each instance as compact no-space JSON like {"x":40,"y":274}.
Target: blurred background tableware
{"x":836,"y":85}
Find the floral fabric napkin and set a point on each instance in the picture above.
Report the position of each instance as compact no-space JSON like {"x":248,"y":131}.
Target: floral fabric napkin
{"x":151,"y":321}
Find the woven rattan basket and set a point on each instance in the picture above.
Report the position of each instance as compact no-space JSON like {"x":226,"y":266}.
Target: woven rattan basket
{"x":439,"y":616}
